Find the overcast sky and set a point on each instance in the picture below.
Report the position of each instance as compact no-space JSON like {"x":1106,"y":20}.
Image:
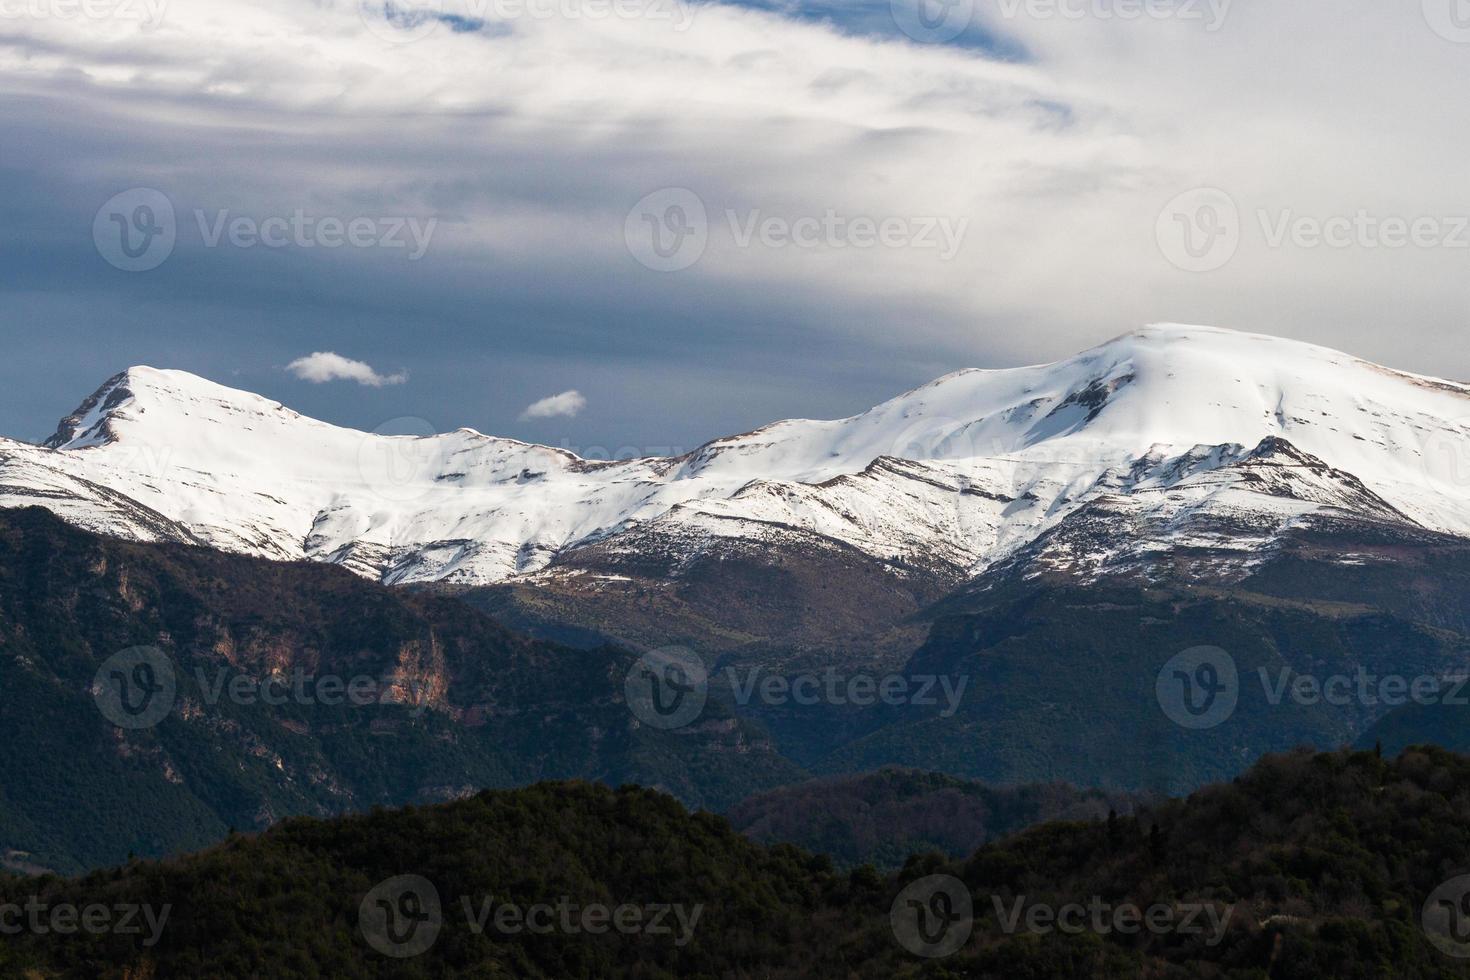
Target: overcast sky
{"x":639,"y":223}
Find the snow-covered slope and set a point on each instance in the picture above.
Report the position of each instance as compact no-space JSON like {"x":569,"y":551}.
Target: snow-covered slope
{"x":1175,"y":435}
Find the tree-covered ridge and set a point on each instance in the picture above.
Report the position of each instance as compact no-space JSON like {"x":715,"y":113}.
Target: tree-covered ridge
{"x":455,"y":703}
{"x":1313,"y":865}
{"x":883,"y":817}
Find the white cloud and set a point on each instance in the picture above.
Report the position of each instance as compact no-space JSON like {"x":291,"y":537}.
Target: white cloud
{"x":324,"y":366}
{"x":565,"y":405}
{"x":1062,"y":165}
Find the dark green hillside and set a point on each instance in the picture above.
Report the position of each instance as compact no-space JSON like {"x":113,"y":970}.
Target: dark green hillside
{"x":1060,"y":686}
{"x":883,"y":817}
{"x":286,"y":904}
{"x":1309,"y":866}
{"x":1064,"y":685}
{"x":1444,"y":722}
{"x":454,"y":702}
{"x":1060,"y":675}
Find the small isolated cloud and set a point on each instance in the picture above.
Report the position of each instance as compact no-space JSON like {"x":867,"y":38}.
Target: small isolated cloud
{"x":324,"y":366}
{"x":565,"y":405}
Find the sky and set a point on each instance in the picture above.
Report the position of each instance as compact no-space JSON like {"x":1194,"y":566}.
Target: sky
{"x":630,"y":226}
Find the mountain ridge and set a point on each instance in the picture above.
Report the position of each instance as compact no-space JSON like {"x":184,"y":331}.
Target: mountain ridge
{"x":1157,"y":427}
{"x":1308,"y":865}
{"x":252,"y":729}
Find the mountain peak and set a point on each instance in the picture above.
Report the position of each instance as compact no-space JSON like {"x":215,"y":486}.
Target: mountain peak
{"x":88,"y":424}
{"x":127,"y":396}
{"x":987,"y":461}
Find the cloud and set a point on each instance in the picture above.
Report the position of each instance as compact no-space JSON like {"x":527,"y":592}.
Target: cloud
{"x":565,"y":405}
{"x":324,"y":366}
{"x":1063,"y":161}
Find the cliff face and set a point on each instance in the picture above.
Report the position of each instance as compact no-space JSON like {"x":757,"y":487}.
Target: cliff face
{"x":286,"y":689}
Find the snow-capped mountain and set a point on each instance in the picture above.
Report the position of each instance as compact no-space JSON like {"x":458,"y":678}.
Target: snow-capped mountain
{"x":1170,"y":437}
